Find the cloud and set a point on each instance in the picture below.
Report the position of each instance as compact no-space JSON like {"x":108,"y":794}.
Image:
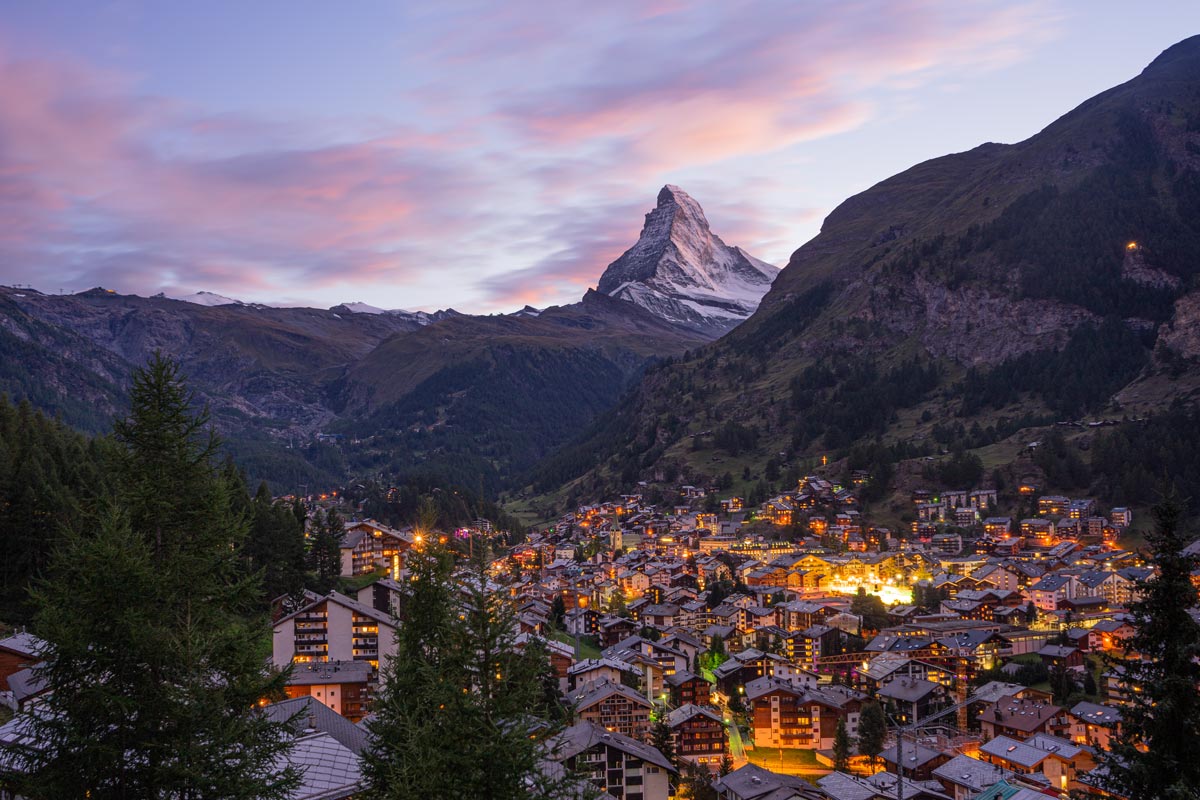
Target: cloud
{"x":532,"y":138}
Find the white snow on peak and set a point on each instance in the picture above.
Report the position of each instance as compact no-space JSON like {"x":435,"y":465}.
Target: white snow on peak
{"x":681,"y":271}
{"x":209,"y":299}
{"x":363,"y":308}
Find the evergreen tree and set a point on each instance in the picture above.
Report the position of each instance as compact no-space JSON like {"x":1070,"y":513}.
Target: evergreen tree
{"x":695,"y":783}
{"x":324,"y":549}
{"x":464,"y":712}
{"x":275,"y":546}
{"x":872,"y":730}
{"x":1164,"y":717}
{"x":558,"y":611}
{"x":841,"y":747}
{"x":661,"y":739}
{"x":154,"y":664}
{"x":50,"y":480}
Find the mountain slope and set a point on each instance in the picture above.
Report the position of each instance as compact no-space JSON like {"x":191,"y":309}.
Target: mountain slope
{"x":680,"y":271}
{"x":482,"y":397}
{"x":1019,"y":283}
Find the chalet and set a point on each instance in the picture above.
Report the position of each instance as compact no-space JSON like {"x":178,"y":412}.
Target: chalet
{"x":686,"y":687}
{"x":1081,"y":509}
{"x":1053,"y":505}
{"x":368,"y":545}
{"x":599,"y":670}
{"x":699,"y":735}
{"x":1057,"y":760}
{"x":18,"y":652}
{"x":787,"y":716}
{"x":998,"y":527}
{"x":582,"y":622}
{"x":752,"y":782}
{"x":333,"y":628}
{"x":919,"y":761}
{"x":880,"y":786}
{"x":964,"y":777}
{"x":1054,"y":655}
{"x":809,"y":645}
{"x":1093,"y":724}
{"x":614,"y":707}
{"x":1109,"y":634}
{"x":912,"y":699}
{"x":616,"y":764}
{"x":344,"y":686}
{"x":983,"y":499}
{"x":614,"y":629}
{"x":1020,"y":718}
{"x":1048,"y":593}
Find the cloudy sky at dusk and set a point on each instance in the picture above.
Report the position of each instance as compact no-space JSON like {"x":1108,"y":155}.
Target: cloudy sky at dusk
{"x":484,"y":155}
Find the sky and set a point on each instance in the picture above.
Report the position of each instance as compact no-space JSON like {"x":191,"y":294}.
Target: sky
{"x":485,"y":155}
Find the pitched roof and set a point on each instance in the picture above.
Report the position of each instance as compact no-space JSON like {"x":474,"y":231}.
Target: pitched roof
{"x":689,"y":710}
{"x":752,"y":782}
{"x":328,"y":770}
{"x":968,"y":772}
{"x":325,"y":672}
{"x":308,"y":713}
{"x":25,"y":644}
{"x":910,"y":690}
{"x":585,"y":735}
{"x":1096,"y":714}
{"x":590,"y":694}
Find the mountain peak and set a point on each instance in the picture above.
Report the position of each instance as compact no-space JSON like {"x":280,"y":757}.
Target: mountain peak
{"x":1181,"y":59}
{"x":681,"y":271}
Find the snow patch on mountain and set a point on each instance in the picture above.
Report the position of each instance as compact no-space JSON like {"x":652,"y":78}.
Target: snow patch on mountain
{"x":419,"y":317}
{"x":681,"y":271}
{"x":209,"y":299}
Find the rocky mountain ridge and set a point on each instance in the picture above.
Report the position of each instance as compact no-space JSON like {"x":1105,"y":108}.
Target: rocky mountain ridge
{"x":683,"y":272}
{"x":1032,"y":281}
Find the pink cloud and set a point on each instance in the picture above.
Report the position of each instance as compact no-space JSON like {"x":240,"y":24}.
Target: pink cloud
{"x":580,"y":108}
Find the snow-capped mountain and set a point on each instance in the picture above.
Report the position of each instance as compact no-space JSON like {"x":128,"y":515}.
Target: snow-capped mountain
{"x":419,"y":317}
{"x":681,"y":271}
{"x":209,"y":299}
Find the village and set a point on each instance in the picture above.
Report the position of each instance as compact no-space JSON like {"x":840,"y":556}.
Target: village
{"x":770,"y":661}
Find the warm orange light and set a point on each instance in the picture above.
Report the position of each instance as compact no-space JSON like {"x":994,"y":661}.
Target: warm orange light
{"x":1131,"y":246}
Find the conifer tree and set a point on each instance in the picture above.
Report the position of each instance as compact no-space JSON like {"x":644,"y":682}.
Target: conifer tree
{"x":154,"y":665}
{"x":464,"y":710}
{"x":661,"y":740}
{"x":872,"y":730}
{"x":275,"y":546}
{"x":841,"y":747}
{"x":1155,"y":757}
{"x":325,"y":555}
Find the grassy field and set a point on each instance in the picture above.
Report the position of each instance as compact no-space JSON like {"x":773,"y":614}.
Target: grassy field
{"x":582,"y":649}
{"x":351,"y":586}
{"x":787,"y":756}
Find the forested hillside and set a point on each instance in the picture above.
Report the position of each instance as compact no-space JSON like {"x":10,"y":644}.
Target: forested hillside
{"x":967,"y":302}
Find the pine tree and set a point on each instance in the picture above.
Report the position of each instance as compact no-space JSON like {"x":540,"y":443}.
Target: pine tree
{"x":661,"y":739}
{"x":1164,"y":716}
{"x":275,"y":546}
{"x":324,"y":550}
{"x":463,"y":711}
{"x":841,"y":747}
{"x":154,"y":666}
{"x":696,"y":783}
{"x":872,"y":730}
